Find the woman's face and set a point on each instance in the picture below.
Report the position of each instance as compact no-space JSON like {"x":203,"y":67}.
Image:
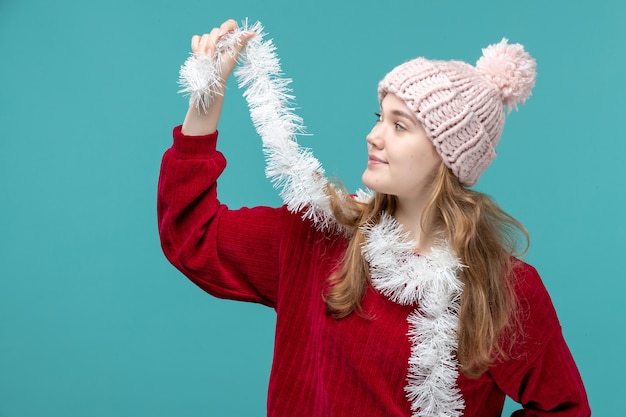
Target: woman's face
{"x":402,"y":160}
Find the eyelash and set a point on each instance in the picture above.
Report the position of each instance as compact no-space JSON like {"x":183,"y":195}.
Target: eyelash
{"x":397,"y":125}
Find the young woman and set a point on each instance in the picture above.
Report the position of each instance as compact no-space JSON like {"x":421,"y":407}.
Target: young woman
{"x":404,"y":302}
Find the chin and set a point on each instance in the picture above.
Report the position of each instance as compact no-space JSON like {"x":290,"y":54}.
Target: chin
{"x":367,"y":181}
{"x":373,"y":186}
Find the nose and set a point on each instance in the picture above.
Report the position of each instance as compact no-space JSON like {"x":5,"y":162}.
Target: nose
{"x":375,"y":137}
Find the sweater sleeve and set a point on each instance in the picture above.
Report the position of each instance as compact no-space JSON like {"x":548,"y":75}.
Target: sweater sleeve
{"x":540,"y":373}
{"x":230,"y":254}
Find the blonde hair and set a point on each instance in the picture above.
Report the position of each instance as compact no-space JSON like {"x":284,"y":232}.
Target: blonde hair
{"x":482,"y":236}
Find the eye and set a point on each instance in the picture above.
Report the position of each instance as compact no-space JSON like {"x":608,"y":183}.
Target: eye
{"x":399,"y":127}
{"x":378,"y":117}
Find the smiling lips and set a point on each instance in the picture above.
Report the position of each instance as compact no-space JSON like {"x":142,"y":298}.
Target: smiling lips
{"x":374,"y":160}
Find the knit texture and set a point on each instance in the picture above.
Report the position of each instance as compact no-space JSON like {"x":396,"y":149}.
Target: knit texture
{"x":461,"y":107}
{"x":356,"y":366}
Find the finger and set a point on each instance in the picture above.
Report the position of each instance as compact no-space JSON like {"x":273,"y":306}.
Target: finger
{"x":243,"y":39}
{"x":206,"y":45}
{"x":212,"y":41}
{"x":228,"y":26}
{"x":203,"y":44}
{"x":195,"y":42}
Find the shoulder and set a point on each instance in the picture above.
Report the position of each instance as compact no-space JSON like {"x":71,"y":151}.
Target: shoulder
{"x":529,"y":287}
{"x":535,"y":315}
{"x":527,"y":281}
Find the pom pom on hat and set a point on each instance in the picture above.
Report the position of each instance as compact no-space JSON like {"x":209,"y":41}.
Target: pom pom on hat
{"x":511,"y":69}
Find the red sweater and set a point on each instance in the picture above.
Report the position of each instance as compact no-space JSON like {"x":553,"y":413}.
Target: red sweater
{"x":355,"y":366}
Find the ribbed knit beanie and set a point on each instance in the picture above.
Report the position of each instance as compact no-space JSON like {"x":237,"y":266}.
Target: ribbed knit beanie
{"x":460,"y":106}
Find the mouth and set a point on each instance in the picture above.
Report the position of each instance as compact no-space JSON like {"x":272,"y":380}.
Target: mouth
{"x":374,"y":160}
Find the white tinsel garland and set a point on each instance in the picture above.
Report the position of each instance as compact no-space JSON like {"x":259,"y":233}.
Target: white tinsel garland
{"x":427,"y":281}
{"x":430,"y":282}
{"x":292,"y":168}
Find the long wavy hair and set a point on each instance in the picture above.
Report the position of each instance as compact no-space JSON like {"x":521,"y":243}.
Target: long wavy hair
{"x":483,"y":237}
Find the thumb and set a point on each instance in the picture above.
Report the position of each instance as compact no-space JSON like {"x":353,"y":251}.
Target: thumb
{"x":243,"y":39}
{"x":229,"y":59}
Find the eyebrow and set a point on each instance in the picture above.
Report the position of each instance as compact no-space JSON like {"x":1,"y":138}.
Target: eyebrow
{"x":404,"y":115}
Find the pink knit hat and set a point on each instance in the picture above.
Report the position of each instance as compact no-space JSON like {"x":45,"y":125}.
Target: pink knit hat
{"x":461,"y":107}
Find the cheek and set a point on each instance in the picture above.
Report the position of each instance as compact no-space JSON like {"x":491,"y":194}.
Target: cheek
{"x":418,"y":164}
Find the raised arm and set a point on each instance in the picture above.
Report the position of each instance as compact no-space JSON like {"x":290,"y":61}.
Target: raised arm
{"x":201,"y":121}
{"x":229,"y":253}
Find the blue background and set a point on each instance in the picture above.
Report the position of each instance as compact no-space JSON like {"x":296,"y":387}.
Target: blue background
{"x":95,"y":322}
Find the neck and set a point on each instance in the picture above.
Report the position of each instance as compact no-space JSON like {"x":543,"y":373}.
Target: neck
{"x":409,"y":213}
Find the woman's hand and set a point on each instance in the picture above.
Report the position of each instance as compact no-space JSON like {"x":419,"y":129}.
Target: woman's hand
{"x":208,"y":42}
{"x":197,"y":123}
